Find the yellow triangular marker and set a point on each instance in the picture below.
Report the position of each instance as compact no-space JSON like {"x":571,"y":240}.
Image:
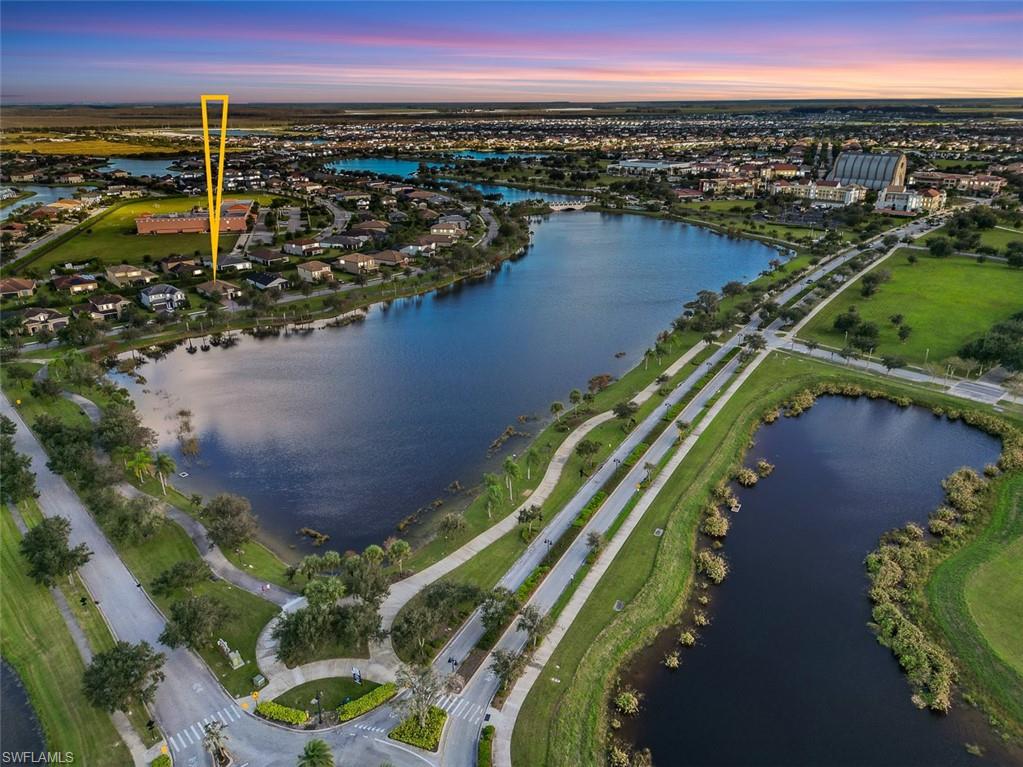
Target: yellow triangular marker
{"x":214,"y":200}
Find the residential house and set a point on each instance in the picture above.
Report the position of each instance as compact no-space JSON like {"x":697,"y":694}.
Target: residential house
{"x":36,"y":320}
{"x":162,"y":297}
{"x":221,"y":288}
{"x":16,"y":287}
{"x":450,"y":229}
{"x":181,"y":266}
{"x":268,"y":257}
{"x":357,"y":263}
{"x":71,"y":178}
{"x":304,"y":247}
{"x":231,"y":263}
{"x":267,"y":281}
{"x":76,"y":283}
{"x":124,"y":275}
{"x":391,"y":258}
{"x":345,"y":241}
{"x":103,"y":307}
{"x":435,"y":241}
{"x":314,"y":271}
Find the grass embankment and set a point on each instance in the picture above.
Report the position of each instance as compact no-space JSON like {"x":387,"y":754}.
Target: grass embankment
{"x":15,"y":199}
{"x":976,"y":598}
{"x":112,"y":238}
{"x":946,"y":302}
{"x":545,"y":443}
{"x":335,"y":691}
{"x":560,"y":721}
{"x":38,"y":645}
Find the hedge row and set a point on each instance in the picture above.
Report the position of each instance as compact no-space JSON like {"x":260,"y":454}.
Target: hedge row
{"x":278,"y":713}
{"x":485,"y":749}
{"x":365,"y":703}
{"x":587,"y":511}
{"x":163,"y":760}
{"x":532,"y":581}
{"x":427,"y":737}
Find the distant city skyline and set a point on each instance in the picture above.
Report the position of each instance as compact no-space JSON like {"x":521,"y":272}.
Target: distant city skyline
{"x":83,"y":52}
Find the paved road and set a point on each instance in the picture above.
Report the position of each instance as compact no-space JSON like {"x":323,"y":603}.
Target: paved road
{"x":190,"y":694}
{"x":50,"y":236}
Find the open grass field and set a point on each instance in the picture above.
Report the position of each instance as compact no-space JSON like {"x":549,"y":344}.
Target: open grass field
{"x":150,"y":558}
{"x":976,"y":596}
{"x":96,"y":146}
{"x":111,"y":239}
{"x":998,"y":237}
{"x":37,"y":643}
{"x":335,"y":690}
{"x":994,"y":594}
{"x":563,"y":723}
{"x":946,"y":302}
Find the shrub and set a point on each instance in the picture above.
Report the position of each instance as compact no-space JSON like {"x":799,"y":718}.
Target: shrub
{"x":531,"y":582}
{"x":365,"y":703}
{"x":672,"y":660}
{"x":764,"y":468}
{"x":687,"y":638}
{"x":746,"y":477}
{"x":715,"y":524}
{"x":278,"y":713}
{"x":163,"y":760}
{"x":714,"y":566}
{"x":627,"y":702}
{"x":485,"y":749}
{"x":587,"y":511}
{"x":427,"y":737}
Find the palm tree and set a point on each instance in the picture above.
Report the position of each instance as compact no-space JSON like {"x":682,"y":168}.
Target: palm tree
{"x":575,"y":396}
{"x":141,"y":463}
{"x":164,"y":467}
{"x":534,"y":622}
{"x":122,"y":453}
{"x":531,"y":456}
{"x":316,"y":754}
{"x":214,"y":740}
{"x":511,"y":473}
{"x":494,"y":493}
{"x":556,"y":408}
{"x":397,"y":551}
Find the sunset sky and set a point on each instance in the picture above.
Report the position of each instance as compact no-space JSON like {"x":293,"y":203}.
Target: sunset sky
{"x":503,"y":51}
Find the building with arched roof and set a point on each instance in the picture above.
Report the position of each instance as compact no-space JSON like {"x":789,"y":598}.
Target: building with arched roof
{"x":874,"y":171}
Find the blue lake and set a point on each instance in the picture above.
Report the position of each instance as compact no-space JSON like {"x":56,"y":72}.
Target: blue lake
{"x":385,"y":166}
{"x":42,"y":195}
{"x":350,"y":430}
{"x":139,"y":167}
{"x":789,"y":660}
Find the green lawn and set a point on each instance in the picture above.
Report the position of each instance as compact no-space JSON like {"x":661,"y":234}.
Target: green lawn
{"x":946,"y":302}
{"x":995,"y":596}
{"x":113,"y":239}
{"x":562,"y":719}
{"x":976,"y":596}
{"x":334,"y":689}
{"x":993,"y":238}
{"x":172,"y":544}
{"x":37,"y":643}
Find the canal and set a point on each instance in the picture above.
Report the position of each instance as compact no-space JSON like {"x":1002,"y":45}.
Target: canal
{"x":350,"y":430}
{"x":788,"y":672}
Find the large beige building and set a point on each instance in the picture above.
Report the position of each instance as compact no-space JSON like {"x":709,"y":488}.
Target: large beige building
{"x":821,"y":192}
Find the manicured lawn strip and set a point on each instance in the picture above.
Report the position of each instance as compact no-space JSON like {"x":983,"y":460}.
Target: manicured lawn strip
{"x":946,"y":302}
{"x":485,"y":748}
{"x":172,"y":544}
{"x":98,"y":147}
{"x":652,"y":576}
{"x":30,"y":408}
{"x":37,"y":644}
{"x":334,"y":689}
{"x":427,"y":737}
{"x":546,"y":442}
{"x":955,"y":592}
{"x":369,"y":700}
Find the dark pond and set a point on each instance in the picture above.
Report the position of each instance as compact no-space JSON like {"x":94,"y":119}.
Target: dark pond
{"x":141,"y":167}
{"x":350,"y":430}
{"x":19,"y":728}
{"x":789,"y":672}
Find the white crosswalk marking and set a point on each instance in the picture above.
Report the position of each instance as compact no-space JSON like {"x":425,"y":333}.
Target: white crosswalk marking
{"x":187,"y":735}
{"x":198,"y":733}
